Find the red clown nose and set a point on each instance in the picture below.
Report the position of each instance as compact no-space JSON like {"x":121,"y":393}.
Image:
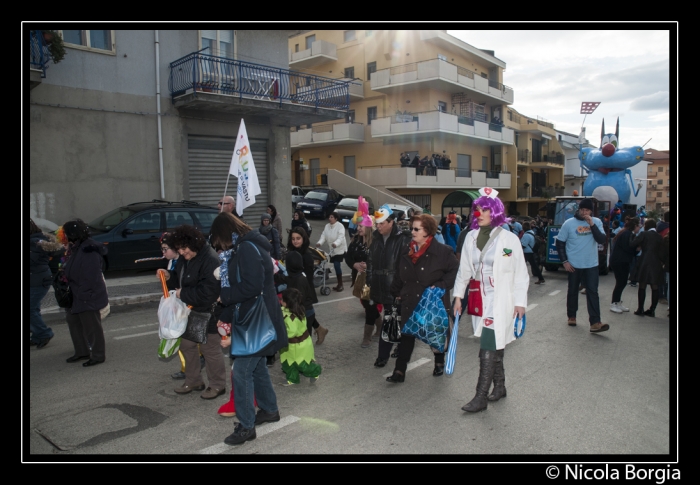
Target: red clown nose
{"x":477,"y":213}
{"x":608,"y":149}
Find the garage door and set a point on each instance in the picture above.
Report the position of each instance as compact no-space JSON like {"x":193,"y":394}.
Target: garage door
{"x":209,"y":160}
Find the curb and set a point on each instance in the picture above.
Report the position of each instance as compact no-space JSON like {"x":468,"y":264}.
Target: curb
{"x":117,"y":300}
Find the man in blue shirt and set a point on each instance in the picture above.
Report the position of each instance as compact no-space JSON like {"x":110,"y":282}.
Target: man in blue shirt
{"x":577,"y":245}
{"x":528,"y":244}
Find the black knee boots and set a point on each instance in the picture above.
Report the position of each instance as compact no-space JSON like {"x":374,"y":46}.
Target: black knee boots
{"x":487,"y":367}
{"x":499,"y":378}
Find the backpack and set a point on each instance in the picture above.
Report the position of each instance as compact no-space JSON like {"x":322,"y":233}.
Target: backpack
{"x":519,"y":234}
{"x":539,"y":242}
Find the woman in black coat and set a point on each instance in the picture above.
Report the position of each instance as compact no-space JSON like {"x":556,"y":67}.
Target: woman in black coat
{"x":426,"y":264}
{"x":83,"y":271}
{"x":299,"y":220}
{"x":650,"y":268}
{"x":246,"y":256}
{"x":620,"y":260}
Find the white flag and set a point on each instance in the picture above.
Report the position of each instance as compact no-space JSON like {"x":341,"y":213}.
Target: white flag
{"x":242,"y":166}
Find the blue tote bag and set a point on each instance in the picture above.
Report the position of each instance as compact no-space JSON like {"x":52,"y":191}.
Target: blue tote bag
{"x":429,"y":322}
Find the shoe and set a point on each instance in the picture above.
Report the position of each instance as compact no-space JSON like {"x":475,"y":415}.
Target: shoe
{"x":92,"y":362}
{"x":540,"y":282}
{"x":615,"y":308}
{"x":599,"y":327}
{"x":380,"y":363}
{"x":228,"y":410}
{"x":185,"y":389}
{"x":321,"y":333}
{"x":571,"y":321}
{"x":633,"y":284}
{"x":648,"y":313}
{"x":240,"y":435}
{"x":622,"y":307}
{"x":178,"y":375}
{"x":43,"y":342}
{"x":270,"y":360}
{"x":639,"y":312}
{"x":438,"y":370}
{"x":262,"y":417}
{"x":395,"y":353}
{"x":212,"y":393}
{"x":396,"y":377}
{"x":76,"y":358}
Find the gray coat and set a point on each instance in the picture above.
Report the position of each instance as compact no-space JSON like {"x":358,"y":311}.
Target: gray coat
{"x":650,"y":268}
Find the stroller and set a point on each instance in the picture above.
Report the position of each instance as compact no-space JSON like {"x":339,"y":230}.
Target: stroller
{"x":321,"y":270}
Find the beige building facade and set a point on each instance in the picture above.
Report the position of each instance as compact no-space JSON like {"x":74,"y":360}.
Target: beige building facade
{"x":659,"y":179}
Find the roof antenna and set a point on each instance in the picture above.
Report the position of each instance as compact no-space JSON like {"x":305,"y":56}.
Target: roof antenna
{"x":646,"y":143}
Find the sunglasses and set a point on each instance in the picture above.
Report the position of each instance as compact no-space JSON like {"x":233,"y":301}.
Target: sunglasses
{"x":416,"y":228}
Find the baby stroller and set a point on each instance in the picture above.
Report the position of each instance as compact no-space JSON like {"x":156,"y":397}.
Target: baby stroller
{"x":321,"y":270}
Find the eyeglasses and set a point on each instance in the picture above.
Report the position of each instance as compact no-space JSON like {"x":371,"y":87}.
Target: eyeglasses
{"x":164,"y":248}
{"x":416,"y":228}
{"x":225,"y":203}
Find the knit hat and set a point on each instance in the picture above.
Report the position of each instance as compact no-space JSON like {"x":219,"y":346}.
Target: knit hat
{"x":265,"y":216}
{"x":586,"y":204}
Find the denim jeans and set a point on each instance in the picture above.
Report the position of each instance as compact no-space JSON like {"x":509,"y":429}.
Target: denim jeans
{"x":36,"y":323}
{"x":338,"y":268}
{"x":251,"y":380}
{"x":589,"y":278}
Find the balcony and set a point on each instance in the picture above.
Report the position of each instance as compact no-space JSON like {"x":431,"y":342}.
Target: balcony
{"x":321,"y":52}
{"x":539,"y":192}
{"x":204,"y":82}
{"x":38,"y":58}
{"x":443,"y":76}
{"x":326,"y":135}
{"x":355,"y":87}
{"x":651,"y":199}
{"x":397,"y":177}
{"x":548,"y":160}
{"x":408,"y":125}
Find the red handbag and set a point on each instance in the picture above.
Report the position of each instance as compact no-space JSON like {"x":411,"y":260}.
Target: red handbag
{"x":474,"y":303}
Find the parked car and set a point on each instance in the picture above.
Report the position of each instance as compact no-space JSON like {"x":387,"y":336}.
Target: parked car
{"x":297,"y":194}
{"x":133,"y":231}
{"x":401,"y":212}
{"x":319,"y":202}
{"x":348,"y":206}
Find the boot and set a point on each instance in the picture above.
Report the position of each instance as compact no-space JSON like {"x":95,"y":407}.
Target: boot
{"x":486,"y":370}
{"x":499,"y":378}
{"x":378,"y":328}
{"x":321,"y":332}
{"x":367,"y":338}
{"x":228,"y":410}
{"x":340,"y":284}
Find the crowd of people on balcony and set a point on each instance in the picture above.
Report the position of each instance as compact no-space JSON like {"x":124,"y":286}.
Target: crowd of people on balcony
{"x":428,"y":165}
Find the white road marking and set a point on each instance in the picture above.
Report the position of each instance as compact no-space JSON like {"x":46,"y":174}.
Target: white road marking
{"x":412,"y":365}
{"x":530,"y":307}
{"x":333,"y":301}
{"x":136,"y":335}
{"x":554,"y":292}
{"x":259,"y":431}
{"x":129,"y":328}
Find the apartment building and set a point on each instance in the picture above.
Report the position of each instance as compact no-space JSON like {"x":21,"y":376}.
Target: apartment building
{"x":659,"y":179}
{"x":136,"y":115}
{"x":423,"y":92}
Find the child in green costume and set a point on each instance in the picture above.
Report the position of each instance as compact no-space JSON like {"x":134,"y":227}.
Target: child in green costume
{"x":298,"y":357}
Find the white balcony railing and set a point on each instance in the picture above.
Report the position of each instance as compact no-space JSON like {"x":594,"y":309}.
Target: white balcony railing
{"x":321,"y":51}
{"x":406,"y":177}
{"x":336,"y":134}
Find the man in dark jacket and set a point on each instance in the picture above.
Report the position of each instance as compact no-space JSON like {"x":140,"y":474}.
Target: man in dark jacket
{"x":388,"y":244}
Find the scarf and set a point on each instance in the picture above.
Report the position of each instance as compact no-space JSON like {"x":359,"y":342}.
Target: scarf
{"x":415,"y":252}
{"x":225,"y":257}
{"x":483,"y":237}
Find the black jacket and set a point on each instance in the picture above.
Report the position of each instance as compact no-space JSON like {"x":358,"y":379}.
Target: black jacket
{"x":297,"y":279}
{"x":198,"y":286}
{"x":309,"y":266}
{"x":622,"y":253}
{"x":273,"y":238}
{"x":256,"y":273}
{"x":382,"y":263}
{"x":41,"y":248}
{"x":83,"y":269}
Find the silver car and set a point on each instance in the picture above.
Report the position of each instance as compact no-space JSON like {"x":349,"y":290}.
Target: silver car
{"x":297,"y":194}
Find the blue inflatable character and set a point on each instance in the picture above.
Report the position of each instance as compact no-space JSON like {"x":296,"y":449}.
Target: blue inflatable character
{"x":608,"y":167}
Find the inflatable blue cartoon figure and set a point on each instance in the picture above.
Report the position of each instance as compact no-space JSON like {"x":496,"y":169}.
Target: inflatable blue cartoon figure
{"x":608,"y":168}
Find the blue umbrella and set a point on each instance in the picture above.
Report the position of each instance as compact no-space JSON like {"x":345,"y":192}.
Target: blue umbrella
{"x":452,"y":350}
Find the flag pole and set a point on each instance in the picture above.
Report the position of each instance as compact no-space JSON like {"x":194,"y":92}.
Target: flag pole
{"x":221,"y":209}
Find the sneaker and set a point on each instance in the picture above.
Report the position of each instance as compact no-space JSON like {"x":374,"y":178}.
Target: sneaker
{"x":178,"y":375}
{"x":571,"y":321}
{"x":212,"y":393}
{"x":622,"y":307}
{"x":615,"y":308}
{"x":42,"y":343}
{"x":240,"y":435}
{"x":265,"y":417}
{"x":599,"y":327}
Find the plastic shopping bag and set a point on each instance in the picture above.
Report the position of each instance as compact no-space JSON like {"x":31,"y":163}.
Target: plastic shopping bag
{"x":172,"y":316}
{"x":168,"y":347}
{"x":429,"y":322}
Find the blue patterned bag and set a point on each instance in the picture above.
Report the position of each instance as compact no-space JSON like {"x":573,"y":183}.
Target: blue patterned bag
{"x":429,"y":322}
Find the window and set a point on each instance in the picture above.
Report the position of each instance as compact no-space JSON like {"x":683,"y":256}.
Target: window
{"x":660,"y":181}
{"x":146,"y":222}
{"x":350,"y":116}
{"x":219,"y":42}
{"x":658,"y":194}
{"x":484,"y":163}
{"x":517,"y":140}
{"x":483,"y":74}
{"x":464,"y":165}
{"x":349,"y":72}
{"x":175,"y":218}
{"x":310,"y":40}
{"x":371,"y":67}
{"x":371,"y":114}
{"x":661,"y":169}
{"x":442,"y":106}
{"x":93,"y":39}
{"x":348,"y":35}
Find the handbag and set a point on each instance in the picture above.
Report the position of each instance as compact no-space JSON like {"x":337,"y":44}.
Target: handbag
{"x":360,"y":288}
{"x":474,"y":301}
{"x":429,"y":322}
{"x":254,"y":331}
{"x":197,"y":323}
{"x":61,"y":291}
{"x":391,"y":326}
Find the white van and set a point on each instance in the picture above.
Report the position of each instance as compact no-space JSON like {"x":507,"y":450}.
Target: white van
{"x":297,"y":194}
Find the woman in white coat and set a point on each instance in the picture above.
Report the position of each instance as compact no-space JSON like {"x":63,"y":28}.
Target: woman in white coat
{"x":334,"y":235}
{"x":504,"y":283}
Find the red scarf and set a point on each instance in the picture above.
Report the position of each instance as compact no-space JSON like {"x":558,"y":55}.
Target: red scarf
{"x":414,"y":252}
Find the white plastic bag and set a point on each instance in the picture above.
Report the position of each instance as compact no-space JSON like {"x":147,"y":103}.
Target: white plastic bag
{"x":172,"y":316}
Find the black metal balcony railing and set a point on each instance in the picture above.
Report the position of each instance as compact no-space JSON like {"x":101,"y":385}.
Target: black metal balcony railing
{"x":38,"y":52}
{"x":524,"y":155}
{"x":204,"y":72}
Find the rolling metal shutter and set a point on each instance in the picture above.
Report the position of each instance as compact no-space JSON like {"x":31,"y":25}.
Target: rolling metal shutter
{"x":209,"y":159}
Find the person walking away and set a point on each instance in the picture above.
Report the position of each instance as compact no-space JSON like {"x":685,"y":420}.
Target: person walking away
{"x":451,"y":231}
{"x":298,"y":357}
{"x":494,"y":257}
{"x":620,"y":259}
{"x":528,"y":244}
{"x":42,"y":247}
{"x":577,"y":245}
{"x":650,"y":267}
{"x":334,"y":235}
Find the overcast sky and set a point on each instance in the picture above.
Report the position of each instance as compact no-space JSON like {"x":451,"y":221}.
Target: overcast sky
{"x":553,"y":71}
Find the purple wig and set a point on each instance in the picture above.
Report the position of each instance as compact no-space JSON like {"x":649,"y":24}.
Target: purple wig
{"x":498,"y":215}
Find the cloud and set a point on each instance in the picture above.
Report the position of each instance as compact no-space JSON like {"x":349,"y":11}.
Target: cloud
{"x":656,"y":101}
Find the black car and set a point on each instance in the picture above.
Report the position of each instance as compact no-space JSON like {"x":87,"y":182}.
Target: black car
{"x":348,"y":206}
{"x":133,"y":231}
{"x":319,"y":202}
